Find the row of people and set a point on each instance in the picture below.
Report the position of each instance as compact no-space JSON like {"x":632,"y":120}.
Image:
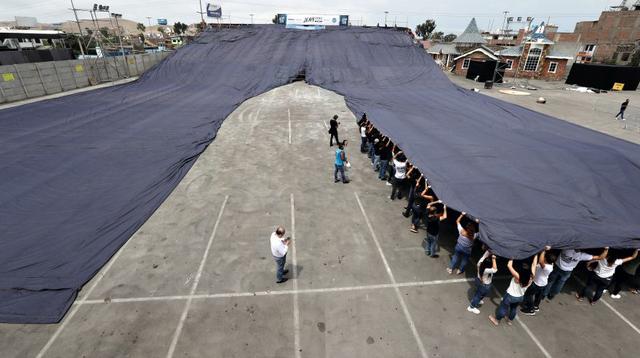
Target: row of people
{"x":544,"y":276}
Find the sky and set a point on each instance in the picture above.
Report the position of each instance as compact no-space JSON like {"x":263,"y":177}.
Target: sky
{"x":450,"y":16}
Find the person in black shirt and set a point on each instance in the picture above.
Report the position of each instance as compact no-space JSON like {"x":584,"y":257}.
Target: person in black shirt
{"x":333,"y":130}
{"x":362,"y":120}
{"x":419,"y":208}
{"x":414,"y":187}
{"x":623,"y":107}
{"x":385,"y":157}
{"x":436,"y":212}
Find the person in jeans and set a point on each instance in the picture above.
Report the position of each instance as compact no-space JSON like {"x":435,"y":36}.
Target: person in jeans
{"x":600,"y":278}
{"x":520,"y":281}
{"x":533,"y":295}
{"x":400,"y":165}
{"x":341,"y":161}
{"x":363,"y":138}
{"x":436,"y":212}
{"x":372,"y":135}
{"x":567,"y":261}
{"x":625,"y":275}
{"x":623,"y":108}
{"x":414,"y":179}
{"x":462,"y":251}
{"x":486,"y":269}
{"x":279,"y":249}
{"x":385,"y":157}
{"x":419,"y":208}
{"x":377,"y":147}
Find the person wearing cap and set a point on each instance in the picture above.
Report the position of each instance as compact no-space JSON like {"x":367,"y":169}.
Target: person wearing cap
{"x":279,"y":249}
{"x":333,"y":130}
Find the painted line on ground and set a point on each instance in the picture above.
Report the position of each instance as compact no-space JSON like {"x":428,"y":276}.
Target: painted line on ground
{"x":289,"y":116}
{"x":194,"y":287}
{"x":526,"y":328}
{"x":84,"y":299}
{"x":325,"y":125}
{"x":617,"y":313}
{"x":296,"y":309}
{"x":280,"y":292}
{"x":407,"y":314}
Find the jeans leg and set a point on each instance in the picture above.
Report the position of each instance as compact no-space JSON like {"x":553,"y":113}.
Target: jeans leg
{"x":513,"y":308}
{"x":503,"y":309}
{"x":537,"y":298}
{"x":481,"y":292}
{"x":376,"y":162}
{"x":463,"y":261}
{"x":527,"y":301}
{"x":601,"y":284}
{"x":335,"y":173}
{"x":280,"y":261}
{"x":341,"y":168}
{"x":563,"y":277}
{"x":394,"y":187}
{"x":589,"y":286}
{"x":454,"y":259}
{"x":433,"y":244}
{"x":383,"y":169}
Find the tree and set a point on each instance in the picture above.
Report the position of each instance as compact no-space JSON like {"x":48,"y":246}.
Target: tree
{"x":104,"y":31}
{"x":437,"y":35}
{"x":179,"y":28}
{"x":140,"y":26}
{"x":425,"y":29}
{"x":450,"y":37}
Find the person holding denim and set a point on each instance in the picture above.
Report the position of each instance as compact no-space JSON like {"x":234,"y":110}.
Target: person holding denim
{"x":279,"y":249}
{"x":466,"y":238}
{"x":533,"y":295}
{"x":436,"y":212}
{"x":486,"y":269}
{"x":385,"y":157}
{"x":567,"y":261}
{"x":520,"y":281}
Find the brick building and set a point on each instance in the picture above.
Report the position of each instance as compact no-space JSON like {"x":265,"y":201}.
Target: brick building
{"x":611,"y":39}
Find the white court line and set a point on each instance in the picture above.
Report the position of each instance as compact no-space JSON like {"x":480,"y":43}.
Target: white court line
{"x":73,"y":312}
{"x":185,"y":311}
{"x":622,"y":317}
{"x":325,"y":125}
{"x":296,"y":310}
{"x":289,"y":116}
{"x":280,"y":292}
{"x":526,"y":329}
{"x":393,"y":280}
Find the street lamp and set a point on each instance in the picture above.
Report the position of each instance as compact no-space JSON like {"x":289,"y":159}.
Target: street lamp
{"x":251,"y":18}
{"x":385,"y":18}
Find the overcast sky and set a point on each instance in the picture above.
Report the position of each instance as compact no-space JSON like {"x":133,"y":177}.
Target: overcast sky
{"x":450,"y":16}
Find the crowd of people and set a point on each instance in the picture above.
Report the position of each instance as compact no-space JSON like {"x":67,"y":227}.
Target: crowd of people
{"x":541,"y":276}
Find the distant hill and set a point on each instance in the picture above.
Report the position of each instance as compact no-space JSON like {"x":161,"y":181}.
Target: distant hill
{"x":129,"y":27}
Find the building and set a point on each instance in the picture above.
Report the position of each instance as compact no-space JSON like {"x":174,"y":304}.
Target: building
{"x":611,"y":39}
{"x":536,"y":57}
{"x":444,"y":53}
{"x":18,"y":39}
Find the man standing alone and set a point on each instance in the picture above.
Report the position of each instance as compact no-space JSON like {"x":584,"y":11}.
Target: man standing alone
{"x":279,"y":248}
{"x":623,"y":107}
{"x":333,"y":130}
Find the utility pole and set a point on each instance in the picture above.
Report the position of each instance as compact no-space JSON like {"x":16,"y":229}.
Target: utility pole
{"x":149,"y":19}
{"x":251,"y":18}
{"x":504,"y":21}
{"x":124,"y":59}
{"x":385,"y":18}
{"x":75,"y":13}
{"x":201,"y":13}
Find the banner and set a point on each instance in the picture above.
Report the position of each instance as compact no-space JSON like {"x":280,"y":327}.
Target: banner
{"x":162,"y":21}
{"x":214,"y":10}
{"x":313,"y":20}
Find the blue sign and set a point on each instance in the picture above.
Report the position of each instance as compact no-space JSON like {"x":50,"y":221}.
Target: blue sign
{"x":162,"y":21}
{"x":214,"y":10}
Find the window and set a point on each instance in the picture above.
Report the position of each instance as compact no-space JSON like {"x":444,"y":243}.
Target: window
{"x":532,"y":59}
{"x":509,"y":65}
{"x":589,"y":48}
{"x":553,"y":67}
{"x":465,"y":63}
{"x":625,"y":56}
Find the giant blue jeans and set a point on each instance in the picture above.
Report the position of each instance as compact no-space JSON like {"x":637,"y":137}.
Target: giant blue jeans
{"x":508,"y":306}
{"x":481,"y":292}
{"x":557,"y":279}
{"x":280,"y":262}
{"x":461,"y":255}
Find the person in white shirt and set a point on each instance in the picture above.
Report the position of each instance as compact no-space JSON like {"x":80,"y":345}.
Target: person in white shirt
{"x":515,"y":293}
{"x":533,"y":295}
{"x":279,"y":249}
{"x":600,"y":277}
{"x":363,"y":138}
{"x":400,"y":175}
{"x":486,"y":269}
{"x":567,"y":261}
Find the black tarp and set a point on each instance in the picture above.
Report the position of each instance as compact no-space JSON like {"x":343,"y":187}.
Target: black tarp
{"x":32,"y":56}
{"x":486,"y":71}
{"x":604,"y":76}
{"x":79,"y":174}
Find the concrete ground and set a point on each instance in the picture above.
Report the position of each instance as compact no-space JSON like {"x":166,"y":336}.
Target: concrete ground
{"x":197,"y":279}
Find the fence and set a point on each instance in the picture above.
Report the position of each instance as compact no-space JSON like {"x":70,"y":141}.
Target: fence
{"x":30,"y":80}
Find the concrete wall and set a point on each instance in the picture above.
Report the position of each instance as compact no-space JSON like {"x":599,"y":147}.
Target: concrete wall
{"x":30,"y":80}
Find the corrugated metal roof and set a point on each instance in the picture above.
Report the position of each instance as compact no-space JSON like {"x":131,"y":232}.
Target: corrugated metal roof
{"x":566,"y":50}
{"x":444,"y":48}
{"x":471,"y":35}
{"x":513,"y":51}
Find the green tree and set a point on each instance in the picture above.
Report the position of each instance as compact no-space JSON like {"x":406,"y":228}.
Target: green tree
{"x":450,"y":37}
{"x":437,"y":35}
{"x":425,"y":29}
{"x":140,"y":26}
{"x":179,"y":28}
